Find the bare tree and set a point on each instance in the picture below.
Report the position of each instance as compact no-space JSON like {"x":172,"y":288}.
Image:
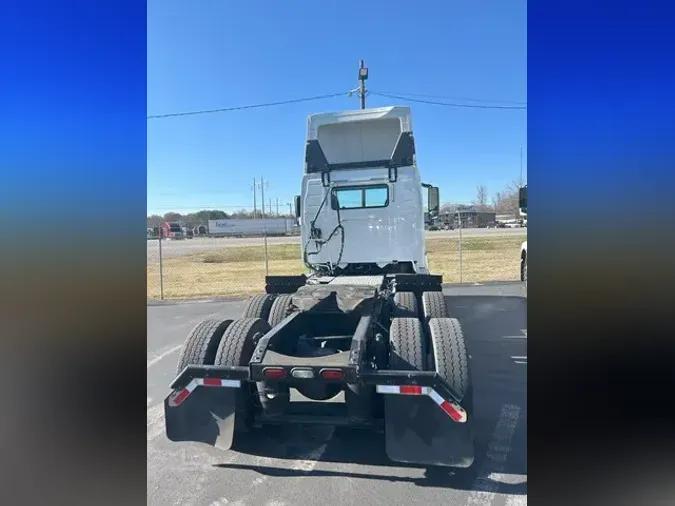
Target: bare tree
{"x":481,"y":201}
{"x":506,"y":201}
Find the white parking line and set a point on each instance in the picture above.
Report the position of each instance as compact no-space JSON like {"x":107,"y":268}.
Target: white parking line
{"x":484,"y":489}
{"x":162,"y":355}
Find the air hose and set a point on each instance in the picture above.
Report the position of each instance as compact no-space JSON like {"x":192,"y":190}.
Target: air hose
{"x":324,"y":268}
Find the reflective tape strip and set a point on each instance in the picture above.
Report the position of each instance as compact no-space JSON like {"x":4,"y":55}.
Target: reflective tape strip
{"x":177,"y":397}
{"x":452,"y":409}
{"x":402,"y":389}
{"x":436,"y":397}
{"x":387,"y":389}
{"x":216,"y":382}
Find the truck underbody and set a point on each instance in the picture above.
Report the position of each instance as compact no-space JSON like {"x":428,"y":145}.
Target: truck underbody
{"x":384,"y":343}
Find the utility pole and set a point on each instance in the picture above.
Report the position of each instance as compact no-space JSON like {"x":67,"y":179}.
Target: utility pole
{"x":270,"y":203}
{"x":262,"y":206}
{"x":290,"y":209}
{"x":363,"y":75}
{"x":254,"y":201}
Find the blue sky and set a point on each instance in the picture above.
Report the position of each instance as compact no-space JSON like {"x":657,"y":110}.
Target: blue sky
{"x":216,"y":54}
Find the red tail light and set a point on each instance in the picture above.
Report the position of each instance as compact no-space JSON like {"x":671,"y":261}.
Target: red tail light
{"x":411,"y":390}
{"x":455,"y":414}
{"x":274,"y":372}
{"x":331,"y":374}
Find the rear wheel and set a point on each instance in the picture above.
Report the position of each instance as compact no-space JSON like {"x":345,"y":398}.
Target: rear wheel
{"x":451,"y":358}
{"x":258,"y":306}
{"x":405,"y":305}
{"x":201,"y":346}
{"x":406,"y":345}
{"x":280,"y":309}
{"x":433,"y":305}
{"x":235,"y":349}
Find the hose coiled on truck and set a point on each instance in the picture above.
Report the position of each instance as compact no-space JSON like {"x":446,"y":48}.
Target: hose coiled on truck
{"x":324,"y":268}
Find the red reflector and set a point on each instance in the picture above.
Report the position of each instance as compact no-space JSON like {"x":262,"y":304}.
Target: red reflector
{"x":331,"y":374}
{"x":274,"y":372}
{"x":456,"y":415}
{"x":182,"y":395}
{"x":411,"y":390}
{"x":212,"y":382}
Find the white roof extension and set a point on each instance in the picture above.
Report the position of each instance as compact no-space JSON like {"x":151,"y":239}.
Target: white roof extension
{"x":402,"y":113}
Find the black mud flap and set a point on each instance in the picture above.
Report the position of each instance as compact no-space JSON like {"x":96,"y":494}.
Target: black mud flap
{"x":205,"y":416}
{"x":418,"y":431}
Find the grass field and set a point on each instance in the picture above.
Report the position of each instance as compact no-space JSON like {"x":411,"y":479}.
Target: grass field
{"x":239,"y":272}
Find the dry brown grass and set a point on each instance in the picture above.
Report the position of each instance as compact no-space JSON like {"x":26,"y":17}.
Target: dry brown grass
{"x":239,"y":272}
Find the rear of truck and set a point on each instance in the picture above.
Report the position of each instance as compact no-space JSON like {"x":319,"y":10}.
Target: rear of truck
{"x":364,"y":341}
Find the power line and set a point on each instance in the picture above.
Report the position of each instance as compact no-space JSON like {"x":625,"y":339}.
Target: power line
{"x":252,"y":106}
{"x":424,"y":95}
{"x":448,"y":104}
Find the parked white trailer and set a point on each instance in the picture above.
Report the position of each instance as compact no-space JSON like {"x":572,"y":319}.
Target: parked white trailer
{"x":270,"y":226}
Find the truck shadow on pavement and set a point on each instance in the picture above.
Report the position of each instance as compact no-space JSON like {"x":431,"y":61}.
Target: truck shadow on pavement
{"x":496,"y":333}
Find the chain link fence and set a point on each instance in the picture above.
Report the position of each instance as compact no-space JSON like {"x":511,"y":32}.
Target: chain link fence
{"x":235,"y":267}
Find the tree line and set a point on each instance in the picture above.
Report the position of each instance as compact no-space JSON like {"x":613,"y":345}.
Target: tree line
{"x":203,"y":217}
{"x":502,"y":202}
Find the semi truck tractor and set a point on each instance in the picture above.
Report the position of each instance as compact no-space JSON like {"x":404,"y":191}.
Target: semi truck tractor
{"x":172,"y":230}
{"x":363,"y":338}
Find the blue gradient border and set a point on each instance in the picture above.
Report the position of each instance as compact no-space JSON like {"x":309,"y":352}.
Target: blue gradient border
{"x":72,"y":209}
{"x":73,"y":112}
{"x":601,"y":168}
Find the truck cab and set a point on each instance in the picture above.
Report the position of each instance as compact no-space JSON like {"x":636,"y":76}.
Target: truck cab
{"x":172,"y":230}
{"x":361,"y":208}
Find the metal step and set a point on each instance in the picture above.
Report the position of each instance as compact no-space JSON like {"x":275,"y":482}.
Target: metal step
{"x":358,"y":280}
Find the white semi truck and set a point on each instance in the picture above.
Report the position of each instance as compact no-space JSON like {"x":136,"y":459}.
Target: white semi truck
{"x":367,"y":320}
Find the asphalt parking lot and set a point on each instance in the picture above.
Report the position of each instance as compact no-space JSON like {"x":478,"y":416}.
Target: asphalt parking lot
{"x":318,"y":465}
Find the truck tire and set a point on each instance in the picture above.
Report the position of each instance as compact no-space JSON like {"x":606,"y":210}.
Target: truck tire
{"x":201,"y":346}
{"x":258,"y":306}
{"x":433,"y":305}
{"x":451,"y":358}
{"x":405,"y":305}
{"x":279,"y":309}
{"x":235,"y":349}
{"x":406,"y":345}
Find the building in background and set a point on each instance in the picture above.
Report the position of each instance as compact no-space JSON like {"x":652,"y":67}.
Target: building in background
{"x":472,"y":217}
